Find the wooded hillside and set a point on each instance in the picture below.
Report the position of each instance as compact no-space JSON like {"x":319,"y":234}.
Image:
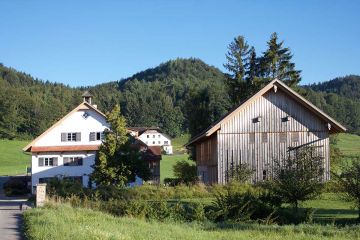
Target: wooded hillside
{"x":163,"y":96}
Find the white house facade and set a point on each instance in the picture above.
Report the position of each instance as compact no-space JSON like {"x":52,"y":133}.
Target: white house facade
{"x":153,"y":137}
{"x":68,"y":148}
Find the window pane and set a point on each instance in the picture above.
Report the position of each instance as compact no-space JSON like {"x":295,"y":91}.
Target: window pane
{"x":283,"y":137}
{"x":295,"y":136}
{"x":251,"y":137}
{"x":264,"y":137}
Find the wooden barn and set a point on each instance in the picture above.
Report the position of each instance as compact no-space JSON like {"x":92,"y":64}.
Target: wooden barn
{"x":270,"y":125}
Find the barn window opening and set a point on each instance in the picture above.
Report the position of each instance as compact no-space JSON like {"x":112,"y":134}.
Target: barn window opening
{"x":264,"y":174}
{"x":283,"y":137}
{"x":264,"y":137}
{"x":251,"y":137}
{"x":295,"y":137}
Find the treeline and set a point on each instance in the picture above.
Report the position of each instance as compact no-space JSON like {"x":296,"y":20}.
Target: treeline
{"x":340,"y":98}
{"x":182,"y":95}
{"x":28,"y":106}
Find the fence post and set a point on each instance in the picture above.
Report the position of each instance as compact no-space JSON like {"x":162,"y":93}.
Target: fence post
{"x":40,"y":194}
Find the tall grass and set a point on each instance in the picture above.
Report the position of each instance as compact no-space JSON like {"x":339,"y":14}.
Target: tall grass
{"x":65,"y":222}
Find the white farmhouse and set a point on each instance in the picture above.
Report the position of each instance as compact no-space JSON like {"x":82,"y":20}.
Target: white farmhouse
{"x":152,"y":136}
{"x":68,"y":148}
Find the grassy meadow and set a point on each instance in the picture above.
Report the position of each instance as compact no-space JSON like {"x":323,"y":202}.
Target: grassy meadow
{"x":349,"y":144}
{"x":81,"y":223}
{"x":12,"y":159}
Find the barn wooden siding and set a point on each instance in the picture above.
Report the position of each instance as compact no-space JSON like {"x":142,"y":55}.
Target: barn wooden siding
{"x":206,"y":159}
{"x":243,"y":139}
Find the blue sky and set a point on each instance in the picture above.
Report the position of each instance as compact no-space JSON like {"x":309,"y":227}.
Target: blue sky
{"x":90,"y":42}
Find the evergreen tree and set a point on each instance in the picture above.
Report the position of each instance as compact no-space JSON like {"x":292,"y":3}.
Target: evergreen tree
{"x":276,"y":63}
{"x":205,"y":106}
{"x":117,"y":162}
{"x":237,"y":58}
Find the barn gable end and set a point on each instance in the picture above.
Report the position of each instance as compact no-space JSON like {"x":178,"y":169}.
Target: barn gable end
{"x":270,"y":125}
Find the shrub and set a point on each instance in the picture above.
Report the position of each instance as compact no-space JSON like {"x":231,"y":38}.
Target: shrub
{"x":241,"y":173}
{"x":185,"y":171}
{"x":297,"y":178}
{"x":172,"y":181}
{"x":349,"y":182}
{"x":66,"y":188}
{"x":240,"y":203}
{"x":16,"y":186}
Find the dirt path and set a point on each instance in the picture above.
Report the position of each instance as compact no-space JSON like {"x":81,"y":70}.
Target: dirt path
{"x":10,"y":215}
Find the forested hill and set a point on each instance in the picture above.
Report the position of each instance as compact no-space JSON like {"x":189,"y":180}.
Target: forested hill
{"x":340,"y":98}
{"x":348,"y":86}
{"x":163,"y":96}
{"x":28,"y":106}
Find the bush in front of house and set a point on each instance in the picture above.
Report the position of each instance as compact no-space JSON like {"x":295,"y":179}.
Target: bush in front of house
{"x":66,"y":187}
{"x":16,"y":186}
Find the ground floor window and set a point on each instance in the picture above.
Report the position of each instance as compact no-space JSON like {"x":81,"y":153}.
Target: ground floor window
{"x":74,"y":179}
{"x":45,"y":179}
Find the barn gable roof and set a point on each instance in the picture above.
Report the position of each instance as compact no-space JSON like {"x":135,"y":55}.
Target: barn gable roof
{"x":275,"y":84}
{"x":83,"y":106}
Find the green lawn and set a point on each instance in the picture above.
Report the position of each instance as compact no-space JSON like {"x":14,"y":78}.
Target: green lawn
{"x":65,"y":222}
{"x":167,"y":163}
{"x":332,"y":206}
{"x":179,"y":142}
{"x":349,"y":144}
{"x":12,"y":159}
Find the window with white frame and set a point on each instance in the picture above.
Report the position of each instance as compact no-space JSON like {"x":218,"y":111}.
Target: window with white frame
{"x":166,"y":142}
{"x":71,"y":137}
{"x":47,"y":161}
{"x":73,"y":161}
{"x":96,"y":136}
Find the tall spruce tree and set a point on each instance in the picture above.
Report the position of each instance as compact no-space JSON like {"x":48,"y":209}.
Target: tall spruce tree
{"x":117,"y":162}
{"x":276,"y":63}
{"x":237,"y":58}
